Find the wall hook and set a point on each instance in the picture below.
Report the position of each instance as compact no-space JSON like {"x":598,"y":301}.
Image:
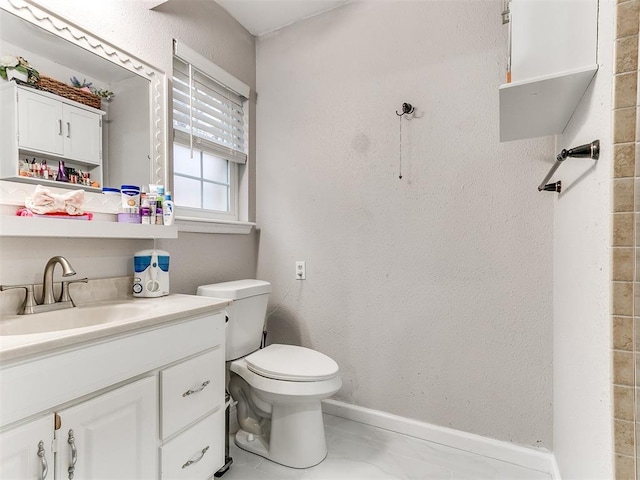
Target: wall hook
{"x":406,"y":109}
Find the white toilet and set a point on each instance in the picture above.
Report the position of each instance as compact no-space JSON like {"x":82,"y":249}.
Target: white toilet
{"x":278,"y":388}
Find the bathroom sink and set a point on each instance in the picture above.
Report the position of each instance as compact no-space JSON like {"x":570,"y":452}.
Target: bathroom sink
{"x":72,"y":318}
{"x":26,"y":335}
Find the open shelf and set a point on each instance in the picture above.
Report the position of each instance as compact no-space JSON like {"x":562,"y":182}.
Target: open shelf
{"x":14,"y":226}
{"x":541,"y":106}
{"x":52,"y":183}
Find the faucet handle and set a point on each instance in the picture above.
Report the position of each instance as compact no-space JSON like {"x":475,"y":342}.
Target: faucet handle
{"x":29,"y":299}
{"x":64,"y":293}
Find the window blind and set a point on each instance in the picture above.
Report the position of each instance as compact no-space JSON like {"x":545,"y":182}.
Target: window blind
{"x":207,"y":113}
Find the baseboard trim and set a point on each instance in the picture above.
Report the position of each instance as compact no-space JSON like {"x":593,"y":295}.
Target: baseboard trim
{"x":555,"y":470}
{"x":540,"y":460}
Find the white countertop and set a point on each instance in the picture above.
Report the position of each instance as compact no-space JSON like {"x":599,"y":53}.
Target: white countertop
{"x":154,"y":311}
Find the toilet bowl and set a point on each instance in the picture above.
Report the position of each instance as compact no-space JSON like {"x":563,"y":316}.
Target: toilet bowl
{"x":279,"y":388}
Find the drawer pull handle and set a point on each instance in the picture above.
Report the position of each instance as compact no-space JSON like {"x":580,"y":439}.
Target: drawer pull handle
{"x":74,"y":454}
{"x":191,"y":392}
{"x":43,"y":459}
{"x":191,"y":462}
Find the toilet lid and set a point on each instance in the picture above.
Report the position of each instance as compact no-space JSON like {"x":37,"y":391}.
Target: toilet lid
{"x":289,"y":362}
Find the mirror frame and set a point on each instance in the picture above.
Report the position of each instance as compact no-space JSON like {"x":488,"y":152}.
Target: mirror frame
{"x":52,"y":23}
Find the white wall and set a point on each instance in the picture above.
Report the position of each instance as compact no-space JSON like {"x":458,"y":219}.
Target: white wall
{"x":196,"y":258}
{"x":433,"y":293}
{"x":581,"y":275}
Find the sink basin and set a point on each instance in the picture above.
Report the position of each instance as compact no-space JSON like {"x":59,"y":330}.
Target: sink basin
{"x":72,"y":318}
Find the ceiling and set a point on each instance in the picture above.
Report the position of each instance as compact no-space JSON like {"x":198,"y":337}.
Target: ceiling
{"x":264,"y":16}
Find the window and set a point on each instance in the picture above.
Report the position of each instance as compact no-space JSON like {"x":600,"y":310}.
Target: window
{"x":202,"y":180}
{"x":210,"y":137}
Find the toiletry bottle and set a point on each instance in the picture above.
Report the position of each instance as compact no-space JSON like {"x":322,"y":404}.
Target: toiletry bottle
{"x":153,"y":205}
{"x":25,"y":168}
{"x":159,"y":220}
{"x":44,"y":169}
{"x":167,"y":209}
{"x":62,"y":174}
{"x":145,"y":212}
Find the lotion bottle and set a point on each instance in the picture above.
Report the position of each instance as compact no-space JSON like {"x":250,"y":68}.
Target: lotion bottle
{"x":167,"y":209}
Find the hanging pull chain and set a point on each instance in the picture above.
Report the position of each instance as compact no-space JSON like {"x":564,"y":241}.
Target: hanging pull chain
{"x":407,"y":109}
{"x":400,"y":166}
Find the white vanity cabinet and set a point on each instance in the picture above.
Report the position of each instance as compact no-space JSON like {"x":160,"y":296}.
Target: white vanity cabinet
{"x":553,"y":58}
{"x":26,"y":452}
{"x":142,"y":404}
{"x":45,"y":126}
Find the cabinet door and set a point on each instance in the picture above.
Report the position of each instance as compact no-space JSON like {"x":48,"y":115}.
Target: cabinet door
{"x":111,"y":436}
{"x":39,"y":123}
{"x":25,"y":451}
{"x":82,"y":135}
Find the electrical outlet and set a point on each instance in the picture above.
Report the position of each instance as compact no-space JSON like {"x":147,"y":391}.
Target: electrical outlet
{"x":301,"y":271}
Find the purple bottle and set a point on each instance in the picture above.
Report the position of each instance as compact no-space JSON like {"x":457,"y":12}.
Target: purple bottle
{"x":62,"y":173}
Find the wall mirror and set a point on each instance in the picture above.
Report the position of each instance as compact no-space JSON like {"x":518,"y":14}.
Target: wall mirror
{"x":134,"y":124}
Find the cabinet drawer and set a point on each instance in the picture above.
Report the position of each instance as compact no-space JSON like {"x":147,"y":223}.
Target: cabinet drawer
{"x":202,"y":445}
{"x":191,"y":389}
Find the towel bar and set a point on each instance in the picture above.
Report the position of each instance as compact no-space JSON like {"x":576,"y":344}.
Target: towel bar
{"x":588,"y":150}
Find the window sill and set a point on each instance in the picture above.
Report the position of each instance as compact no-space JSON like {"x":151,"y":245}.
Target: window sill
{"x":199,"y":225}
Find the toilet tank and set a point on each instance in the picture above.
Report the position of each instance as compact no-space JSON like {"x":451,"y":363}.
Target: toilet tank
{"x":243,"y":331}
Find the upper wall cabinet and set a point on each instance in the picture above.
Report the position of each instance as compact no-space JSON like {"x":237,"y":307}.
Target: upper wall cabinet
{"x":553,"y":46}
{"x":39,"y":124}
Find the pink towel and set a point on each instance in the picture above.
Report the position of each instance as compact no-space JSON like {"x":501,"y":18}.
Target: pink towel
{"x":25,"y":212}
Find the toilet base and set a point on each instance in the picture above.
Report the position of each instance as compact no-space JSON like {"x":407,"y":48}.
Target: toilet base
{"x":296,"y":439}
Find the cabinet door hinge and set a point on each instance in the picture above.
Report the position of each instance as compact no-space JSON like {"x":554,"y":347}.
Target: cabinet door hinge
{"x":100,"y":123}
{"x":57,"y":423}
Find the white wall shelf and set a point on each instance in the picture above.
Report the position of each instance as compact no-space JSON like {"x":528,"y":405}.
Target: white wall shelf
{"x":541,"y":106}
{"x":14,"y":226}
{"x":553,"y":58}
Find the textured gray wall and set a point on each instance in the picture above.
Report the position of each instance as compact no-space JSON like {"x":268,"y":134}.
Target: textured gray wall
{"x":433,"y":293}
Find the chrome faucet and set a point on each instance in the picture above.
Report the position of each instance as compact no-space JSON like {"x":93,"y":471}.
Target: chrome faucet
{"x":47,"y":282}
{"x":48,"y":303}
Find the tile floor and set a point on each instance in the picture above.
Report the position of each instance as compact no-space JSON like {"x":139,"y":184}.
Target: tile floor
{"x":359,"y":451}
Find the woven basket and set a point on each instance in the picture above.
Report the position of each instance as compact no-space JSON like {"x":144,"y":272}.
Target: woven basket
{"x":51,"y":85}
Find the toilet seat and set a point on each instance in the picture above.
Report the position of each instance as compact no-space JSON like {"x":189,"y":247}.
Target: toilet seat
{"x":291,"y":363}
